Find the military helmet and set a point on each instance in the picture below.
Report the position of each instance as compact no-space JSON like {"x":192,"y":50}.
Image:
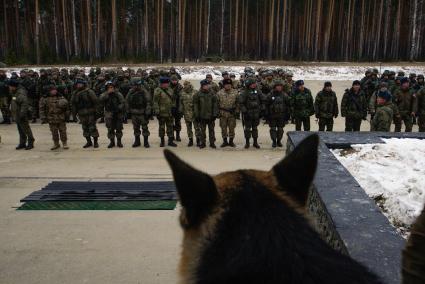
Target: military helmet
{"x":289,"y":74}
{"x":109,"y":83}
{"x":368,"y":72}
{"x":249,"y":70}
{"x":249,"y":81}
{"x":278,"y":83}
{"x":224,"y":73}
{"x":392,"y":73}
{"x":401,"y":74}
{"x":204,"y":82}
{"x":412,"y":75}
{"x":420,"y":76}
{"x":136,"y":81}
{"x":227,"y":82}
{"x":164,"y":80}
{"x":386,"y":73}
{"x":375,"y":71}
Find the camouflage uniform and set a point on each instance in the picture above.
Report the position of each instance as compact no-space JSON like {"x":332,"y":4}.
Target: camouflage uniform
{"x":85,"y":103}
{"x":251,"y":103}
{"x":405,"y":100}
{"x":326,"y":109}
{"x":278,"y":112}
{"x":140,"y":108}
{"x":113,"y":105}
{"x":302,"y":107}
{"x":420,"y":96}
{"x":205,"y":111}
{"x":229,"y":111}
{"x":5,"y":99}
{"x":20,"y":110}
{"x":163,"y":103}
{"x":383,"y":118}
{"x":177,"y":88}
{"x":186,"y":108}
{"x":354,"y":109}
{"x":54,"y":110}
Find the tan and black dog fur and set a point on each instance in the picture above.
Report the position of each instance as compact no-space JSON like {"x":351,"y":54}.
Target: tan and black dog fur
{"x":249,"y":226}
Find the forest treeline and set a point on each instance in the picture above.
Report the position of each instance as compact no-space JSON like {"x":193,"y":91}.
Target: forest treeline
{"x":60,"y":31}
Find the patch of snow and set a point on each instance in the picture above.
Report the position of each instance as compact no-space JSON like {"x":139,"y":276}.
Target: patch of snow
{"x":305,"y":72}
{"x":393,"y":174}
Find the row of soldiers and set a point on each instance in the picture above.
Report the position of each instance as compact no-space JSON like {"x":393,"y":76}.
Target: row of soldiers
{"x":271,"y":95}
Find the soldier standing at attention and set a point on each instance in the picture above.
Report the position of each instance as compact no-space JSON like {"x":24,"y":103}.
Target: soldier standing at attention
{"x":326,"y":107}
{"x":20,"y":111}
{"x":302,"y":106}
{"x":354,"y":107}
{"x":229,"y":111}
{"x":54,"y":109}
{"x":186,"y":109}
{"x":113,"y":104}
{"x":163,"y":103}
{"x":177,"y":88}
{"x":277,"y":109}
{"x":213,"y":86}
{"x":85,"y":104}
{"x":405,"y":100}
{"x":140,"y":108}
{"x":4,"y":98}
{"x":205,"y":110}
{"x":384,"y":113}
{"x":251,"y":103}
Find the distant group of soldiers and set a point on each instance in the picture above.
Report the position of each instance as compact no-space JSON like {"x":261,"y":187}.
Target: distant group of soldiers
{"x":112,"y":96}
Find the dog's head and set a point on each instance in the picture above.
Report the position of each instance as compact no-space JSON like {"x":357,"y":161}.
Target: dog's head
{"x":237,"y":198}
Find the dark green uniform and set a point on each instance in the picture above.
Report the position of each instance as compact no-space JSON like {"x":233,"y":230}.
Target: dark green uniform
{"x":278,"y":112}
{"x":302,"y":107}
{"x":383,"y":118}
{"x":140,"y":108}
{"x":326,"y":109}
{"x":205,"y":111}
{"x":85,"y":104}
{"x":177,"y":88}
{"x":251,"y":103}
{"x":113,"y":105}
{"x":354,"y":109}
{"x":5,"y":99}
{"x":405,"y":100}
{"x":420,"y":97}
{"x":20,"y":112}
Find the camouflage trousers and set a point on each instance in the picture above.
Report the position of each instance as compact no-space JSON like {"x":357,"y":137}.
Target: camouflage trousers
{"x":302,"y":121}
{"x":58,"y":131}
{"x":276,"y":128}
{"x":327,"y":123}
{"x":203,"y":124}
{"x":34,"y":107}
{"x":421,"y":123}
{"x":25,"y":133}
{"x":227,"y":125}
{"x":139,"y":120}
{"x":166,"y":125}
{"x":406,"y":119}
{"x":115,"y":126}
{"x":5,"y":108}
{"x":190,"y":125}
{"x":352,"y":124}
{"x":251,"y":128}
{"x":88,"y":122}
{"x":177,"y":123}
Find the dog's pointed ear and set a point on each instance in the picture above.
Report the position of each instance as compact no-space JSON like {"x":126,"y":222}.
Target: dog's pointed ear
{"x":295,"y":173}
{"x":197,"y":191}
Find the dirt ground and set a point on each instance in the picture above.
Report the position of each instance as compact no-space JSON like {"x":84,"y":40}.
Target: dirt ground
{"x":104,"y":246}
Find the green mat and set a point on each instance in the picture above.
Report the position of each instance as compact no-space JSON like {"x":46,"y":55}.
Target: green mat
{"x":99,"y":205}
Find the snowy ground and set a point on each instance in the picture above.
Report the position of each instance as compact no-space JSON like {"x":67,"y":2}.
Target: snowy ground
{"x":337,"y":72}
{"x":391,"y":173}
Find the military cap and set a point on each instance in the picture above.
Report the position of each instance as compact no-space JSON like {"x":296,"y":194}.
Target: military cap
{"x":249,"y":81}
{"x":299,"y":83}
{"x":136,"y":81}
{"x":356,"y":83}
{"x":385,"y":95}
{"x":204,"y":82}
{"x":278,"y":83}
{"x":412,"y":75}
{"x":225,"y":73}
{"x":164,"y":80}
{"x":401,"y":74}
{"x":109,"y":83}
{"x":420,"y":76}
{"x":375,"y":71}
{"x":328,"y":84}
{"x":404,"y":80}
{"x":227,"y":82}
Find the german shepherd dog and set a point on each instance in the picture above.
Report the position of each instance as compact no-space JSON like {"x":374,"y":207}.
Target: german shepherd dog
{"x":250,"y":226}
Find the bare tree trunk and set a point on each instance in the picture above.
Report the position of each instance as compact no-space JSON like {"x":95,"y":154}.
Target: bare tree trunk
{"x":37,"y":30}
{"x":74,"y":30}
{"x":65,"y":30}
{"x":328,"y":29}
{"x":271,"y":29}
{"x":236,"y":29}
{"x":89,"y":32}
{"x":413,"y":46}
{"x":55,"y":21}
{"x":208,"y":27}
{"x":6,"y":29}
{"x":222,"y":26}
{"x":114,"y":29}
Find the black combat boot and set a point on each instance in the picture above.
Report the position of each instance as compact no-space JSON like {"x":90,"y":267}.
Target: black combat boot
{"x":198,"y":142}
{"x":21,"y":146}
{"x":56,"y":146}
{"x":146,"y":142}
{"x":171,"y":142}
{"x":34,"y":120}
{"x":119,"y":143}
{"x":231,"y":143}
{"x":225,"y":143}
{"x":88,"y":144}
{"x":178,"y":136}
{"x":30,"y":145}
{"x":95,"y":144}
{"x":212,"y":145}
{"x":5,"y":121}
{"x":255,"y":144}
{"x":190,"y":142}
{"x":247,"y":143}
{"x":112,"y":143}
{"x":202,"y":145}
{"x":274,"y":143}
{"x":162,"y":142}
{"x":279,"y":143}
{"x":136,"y":142}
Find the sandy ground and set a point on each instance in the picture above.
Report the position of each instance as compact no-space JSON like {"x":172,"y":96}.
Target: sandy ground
{"x":104,"y":246}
